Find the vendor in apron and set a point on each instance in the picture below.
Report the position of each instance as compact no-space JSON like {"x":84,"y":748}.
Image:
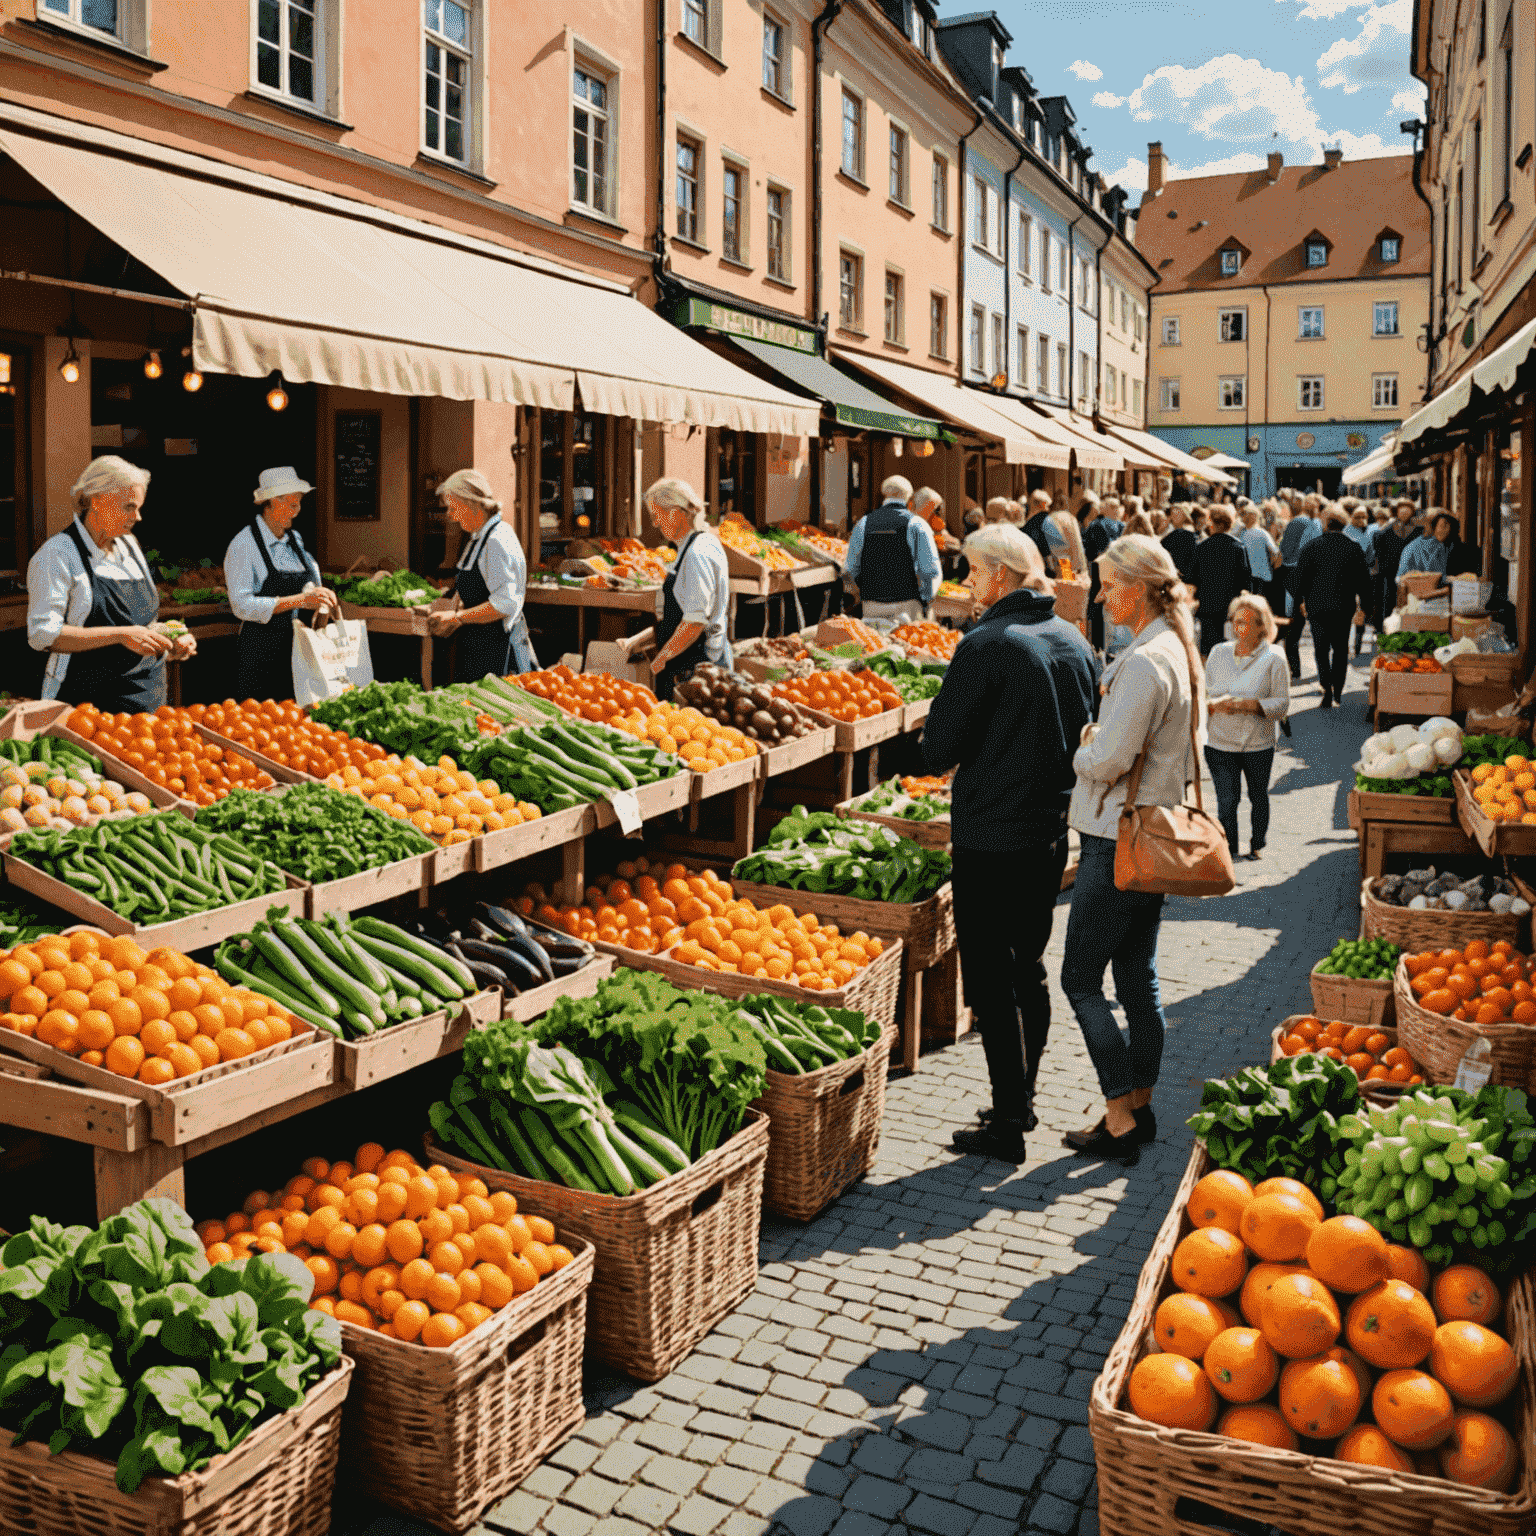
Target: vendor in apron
{"x":269,"y":573}
{"x":490,"y":586}
{"x":91,"y":599}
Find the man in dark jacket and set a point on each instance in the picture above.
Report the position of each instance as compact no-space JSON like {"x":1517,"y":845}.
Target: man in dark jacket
{"x":1390,"y":544}
{"x":893,"y":559}
{"x":1020,"y":688}
{"x":1180,"y":541}
{"x":1220,"y":570}
{"x":1039,"y":509}
{"x":1099,"y":531}
{"x":1332,"y":580}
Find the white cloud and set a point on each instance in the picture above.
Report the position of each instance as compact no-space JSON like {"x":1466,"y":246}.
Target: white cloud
{"x":1411,"y":100}
{"x":1325,"y":10}
{"x":1107,"y":99}
{"x":1084,"y":70}
{"x":1228,"y":98}
{"x":1376,"y":56}
{"x":1132,"y":175}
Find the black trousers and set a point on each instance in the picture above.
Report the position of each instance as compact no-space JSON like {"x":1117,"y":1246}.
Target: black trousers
{"x":1003,"y":906}
{"x":1293,"y":628}
{"x":1330,"y":644}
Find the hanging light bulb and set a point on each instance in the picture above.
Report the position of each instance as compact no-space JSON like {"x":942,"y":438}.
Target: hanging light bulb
{"x":923,"y":449}
{"x":277,"y":396}
{"x":152,"y":365}
{"x":191,"y":381}
{"x":69,"y":368}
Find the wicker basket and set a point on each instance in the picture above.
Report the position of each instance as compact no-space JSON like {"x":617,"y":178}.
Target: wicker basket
{"x":823,"y":1129}
{"x":927,"y":834}
{"x":444,"y":1433}
{"x":1173,"y":1482}
{"x":1353,"y":999}
{"x":292,"y":1455}
{"x":671,"y":1261}
{"x":1437,"y":929}
{"x":1438,"y":1043}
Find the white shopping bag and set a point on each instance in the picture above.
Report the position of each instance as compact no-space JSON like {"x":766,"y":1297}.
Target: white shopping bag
{"x":330,"y":660}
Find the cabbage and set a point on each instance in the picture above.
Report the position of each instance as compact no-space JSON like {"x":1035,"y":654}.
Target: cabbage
{"x":1420,"y":757}
{"x":1403,"y":736}
{"x":1447,"y":750}
{"x":1431,"y":730}
{"x":1393,"y":766}
{"x":1374,"y":746}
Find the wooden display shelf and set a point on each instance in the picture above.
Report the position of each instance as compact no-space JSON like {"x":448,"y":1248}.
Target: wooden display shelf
{"x":720,"y":781}
{"x":1382,"y":836}
{"x":523,"y":1006}
{"x":493,"y":849}
{"x":405,"y":877}
{"x":398,"y":621}
{"x":1418,"y":694}
{"x":914,"y":714}
{"x":656,"y":799}
{"x":46,"y":717}
{"x":794,"y":754}
{"x":413,"y":1042}
{"x":1498,"y":839}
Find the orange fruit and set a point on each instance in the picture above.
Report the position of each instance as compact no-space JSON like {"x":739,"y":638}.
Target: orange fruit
{"x":1479,"y":1451}
{"x":469,"y":1285}
{"x":1366,"y":1446}
{"x":1321,"y":1396}
{"x":420,"y":1197}
{"x":1390,"y":1326}
{"x":524,"y":1275}
{"x":370,"y":1245}
{"x":409,"y":1319}
{"x":1281,"y":1186}
{"x":538,"y":1255}
{"x":183,"y":1059}
{"x":1462,"y":1292}
{"x":441,"y":1330}
{"x":495,"y":1286}
{"x":471,"y":1314}
{"x":1172,"y":1391}
{"x":443,"y":1293}
{"x":1241,"y":1364}
{"x":404,"y":1241}
{"x":1219,"y":1200}
{"x":1408,"y":1264}
{"x":1348,"y":1254}
{"x":1260,"y":1424}
{"x":436,"y":1227}
{"x":353,"y":1312}
{"x":1299,"y":1316}
{"x":446,"y":1259}
{"x":1277,"y":1226}
{"x":326,"y":1272}
{"x":1412,"y":1409}
{"x":1185,"y":1323}
{"x":124,"y":1056}
{"x":1209,"y":1262}
{"x":391,"y":1202}
{"x":1473,"y":1363}
{"x":156,"y":1071}
{"x":416,"y":1277}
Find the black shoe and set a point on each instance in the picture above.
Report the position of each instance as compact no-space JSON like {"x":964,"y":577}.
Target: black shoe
{"x":1327,"y":701}
{"x":987,"y":1116}
{"x":1098,"y":1143}
{"x":1001,"y":1139}
{"x":1255,"y":854}
{"x":1146,"y":1124}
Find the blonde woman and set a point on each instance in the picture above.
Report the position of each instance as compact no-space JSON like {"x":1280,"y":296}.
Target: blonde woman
{"x":693,"y":609}
{"x":1150,"y":694}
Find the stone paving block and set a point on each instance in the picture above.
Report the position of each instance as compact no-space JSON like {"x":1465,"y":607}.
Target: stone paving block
{"x":1068,"y":1479}
{"x":650,"y":1506}
{"x":597,"y":1495}
{"x":698,"y":1516}
{"x":622,"y":1462}
{"x":574,"y":1455}
{"x":563,"y":1520}
{"x":871,"y":1495}
{"x":939,"y":1516}
{"x":667,"y":1438}
{"x":1004,"y":1503}
{"x":1048,"y":1513}
{"x":941,"y":1427}
{"x":673,"y":1474}
{"x":881,"y":1456}
{"x":754,"y":1458}
{"x":809,"y":1516}
{"x":546,"y":1482}
{"x":1019,"y":1469}
{"x":853,"y":1523}
{"x":518,"y":1513}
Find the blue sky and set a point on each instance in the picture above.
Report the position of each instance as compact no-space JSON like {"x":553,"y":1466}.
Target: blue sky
{"x":1221,"y":86}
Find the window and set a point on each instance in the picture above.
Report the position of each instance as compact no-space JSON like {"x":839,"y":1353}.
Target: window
{"x":1169,"y":394}
{"x":978,"y":340}
{"x":687,"y":190}
{"x":895,"y":309}
{"x":1309,"y":322}
{"x":898,"y":166}
{"x":1477,"y":190}
{"x":1309,"y":392}
{"x":1043,"y":365}
{"x":1234,"y":324}
{"x":1063,"y":371}
{"x":1384,"y":319}
{"x":1391,"y":248}
{"x":1231,"y":262}
{"x":1125,"y":323}
{"x":1232,"y":393}
{"x":591,"y":184}
{"x":696,"y":22}
{"x":1064,"y":271}
{"x":778,"y":234}
{"x":1317,"y":253}
{"x":1021,"y":370}
{"x":1018,"y":112}
{"x":732,"y":214}
{"x":1507,"y":107}
{"x":979,"y":212}
{"x":775,"y":71}
{"x":1171,"y":331}
{"x":1383,"y":391}
{"x":1084,"y":375}
{"x":98,"y":15}
{"x":1140,"y":319}
{"x":1136,"y":397}
{"x":999,"y":347}
{"x":1085,"y":284}
{"x":1125,"y":394}
{"x":287,"y":44}
{"x":573,"y":450}
{"x":940,"y":192}
{"x":1461,"y":228}
{"x":446,"y":123}
{"x":938,"y":325}
{"x":1109,"y":386}
{"x":1026,"y":238}
{"x":1045,"y":259}
{"x":853,"y":136}
{"x":850,"y":291}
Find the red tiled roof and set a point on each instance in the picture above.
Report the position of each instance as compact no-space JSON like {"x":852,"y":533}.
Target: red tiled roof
{"x":1352,"y":205}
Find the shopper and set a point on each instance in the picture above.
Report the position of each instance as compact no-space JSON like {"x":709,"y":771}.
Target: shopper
{"x":1020,"y":676}
{"x":1359,"y":531}
{"x":1099,"y":532}
{"x":1221,"y":571}
{"x":91,"y":599}
{"x":1299,"y":531}
{"x":269,"y":572}
{"x":1150,"y":696}
{"x":892,"y":557}
{"x":1262,"y":551}
{"x":1434,"y":549}
{"x":1180,"y":541}
{"x":1248,"y":687}
{"x":1332,"y":581}
{"x":1034,"y":525}
{"x":1064,"y":541}
{"x":1389,"y":546}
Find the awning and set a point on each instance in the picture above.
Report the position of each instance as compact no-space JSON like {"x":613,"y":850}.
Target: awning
{"x":852,"y":402}
{"x":335,"y":291}
{"x":1376,"y":465}
{"x":1093,"y":450}
{"x":1496,"y":371}
{"x":1171,"y":457}
{"x":1225,"y":461}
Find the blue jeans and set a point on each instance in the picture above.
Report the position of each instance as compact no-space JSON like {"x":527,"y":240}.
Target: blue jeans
{"x":1228,"y":770}
{"x":1118,"y":929}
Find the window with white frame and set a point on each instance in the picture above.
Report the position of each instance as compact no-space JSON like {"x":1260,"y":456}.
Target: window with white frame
{"x":1317,"y":253}
{"x":1064,"y":271}
{"x":1084,"y":375}
{"x":778,"y":234}
{"x":733,"y":212}
{"x":1231,"y":262}
{"x":1384,"y":319}
{"x":938,"y":325}
{"x":999,"y":347}
{"x":1171,"y":331}
{"x":1021,"y":367}
{"x":1234,"y":324}
{"x":1168,"y":394}
{"x":775,"y":62}
{"x":997,"y":222}
{"x":1085,"y":284}
{"x":1383,"y":391}
{"x":1391,"y":248}
{"x":1026,"y":238}
{"x":1232,"y":392}
{"x":1043,"y":365}
{"x":895,"y":308}
{"x":1139,"y":316}
{"x":696,"y":22}
{"x":978,"y":340}
{"x":979,"y":212}
{"x":125,"y":20}
{"x":1309,"y":322}
{"x":1045,"y":259}
{"x":1309,"y":392}
{"x":288,"y":44}
{"x":1136,"y":398}
{"x":686,"y":196}
{"x":447,"y":125}
{"x":1124,"y":391}
{"x":591,"y":156}
{"x":853,"y":135}
{"x":900,"y":147}
{"x":850,"y":290}
{"x":1125,"y":319}
{"x":940,"y":192}
{"x":1109,"y":385}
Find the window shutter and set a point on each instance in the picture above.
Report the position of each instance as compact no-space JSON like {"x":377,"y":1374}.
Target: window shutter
{"x":716,"y":26}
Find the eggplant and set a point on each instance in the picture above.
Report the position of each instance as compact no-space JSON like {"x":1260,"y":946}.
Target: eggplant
{"x":522,"y":975}
{"x":502,"y":918}
{"x":486,"y":975}
{"x":567,"y":965}
{"x":524,"y":946}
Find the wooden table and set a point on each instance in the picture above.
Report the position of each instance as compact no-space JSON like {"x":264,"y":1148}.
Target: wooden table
{"x":398,"y":621}
{"x":1428,"y":830}
{"x":603,"y":599}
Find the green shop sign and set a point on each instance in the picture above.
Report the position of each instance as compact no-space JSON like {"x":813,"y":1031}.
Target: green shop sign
{"x":736,"y":322}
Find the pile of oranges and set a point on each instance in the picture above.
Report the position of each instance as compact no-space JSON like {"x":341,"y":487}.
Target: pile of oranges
{"x":166,"y":748}
{"x":1369,"y":1052}
{"x":844,"y":696}
{"x":738,"y":534}
{"x":445,"y":802}
{"x":154,"y":1017}
{"x":1261,"y":1346}
{"x":931,"y":639}
{"x":412,"y":1252}
{"x":1424,"y":665}
{"x":702,"y":743}
{"x":1506,"y":791}
{"x":281,"y":731}
{"x":1480,"y":984}
{"x":596,"y":696}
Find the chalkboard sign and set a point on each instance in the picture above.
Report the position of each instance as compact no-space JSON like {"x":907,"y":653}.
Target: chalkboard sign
{"x":359,"y":441}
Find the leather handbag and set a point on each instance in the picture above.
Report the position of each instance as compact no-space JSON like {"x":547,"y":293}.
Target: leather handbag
{"x":1172,"y":850}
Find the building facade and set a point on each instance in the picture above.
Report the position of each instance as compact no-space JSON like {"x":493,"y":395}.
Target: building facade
{"x":1284,"y":330}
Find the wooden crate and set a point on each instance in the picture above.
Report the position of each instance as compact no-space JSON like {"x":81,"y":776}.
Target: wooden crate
{"x":537,"y":1001}
{"x":1411,"y":693}
{"x":398,"y":1047}
{"x":1498,"y":839}
{"x":1426,"y":623}
{"x":720,"y":781}
{"x":931,"y":834}
{"x":450,"y":861}
{"x":1487,"y":669}
{"x":658,"y":799}
{"x":1374,"y":806}
{"x":945,"y":1017}
{"x":368,"y":887}
{"x":403,"y":621}
{"x":809,"y":748}
{"x":1355,"y":1000}
{"x":494,"y":849}
{"x":913,"y":714}
{"x":29,"y":721}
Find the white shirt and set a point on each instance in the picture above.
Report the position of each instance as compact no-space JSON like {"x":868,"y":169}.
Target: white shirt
{"x":1264,"y":675}
{"x":703,"y":591}
{"x":245,"y":570}
{"x":59,"y":591}
{"x":504,"y":568}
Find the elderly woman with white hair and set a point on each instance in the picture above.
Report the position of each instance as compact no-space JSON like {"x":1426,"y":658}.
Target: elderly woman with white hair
{"x":1018,"y":692}
{"x":92,"y":600}
{"x":892,"y":558}
{"x":490,"y":585}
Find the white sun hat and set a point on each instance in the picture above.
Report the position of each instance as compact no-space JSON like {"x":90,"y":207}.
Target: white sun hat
{"x":283,"y":481}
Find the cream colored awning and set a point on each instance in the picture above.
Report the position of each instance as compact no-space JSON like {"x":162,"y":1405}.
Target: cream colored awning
{"x":1496,"y":371}
{"x":334,"y":291}
{"x":1093,"y":450}
{"x":1376,"y":465}
{"x":1174,"y":458}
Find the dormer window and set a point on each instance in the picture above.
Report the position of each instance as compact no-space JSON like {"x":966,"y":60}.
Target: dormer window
{"x":1018,"y":113}
{"x":1231,"y":261}
{"x":1317,"y":253}
{"x":1390,"y":248}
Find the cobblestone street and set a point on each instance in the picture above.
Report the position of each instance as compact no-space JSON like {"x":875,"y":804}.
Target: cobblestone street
{"x":920,"y":1358}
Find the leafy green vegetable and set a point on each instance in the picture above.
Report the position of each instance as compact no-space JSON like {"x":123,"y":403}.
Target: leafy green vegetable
{"x":1490,"y":749}
{"x":1429,"y":785}
{"x":1410,"y":643}
{"x":913,"y":681}
{"x":803,"y":1037}
{"x":21,"y":922}
{"x":392,"y":589}
{"x":892,"y":799}
{"x":821,"y":852}
{"x":185,"y":595}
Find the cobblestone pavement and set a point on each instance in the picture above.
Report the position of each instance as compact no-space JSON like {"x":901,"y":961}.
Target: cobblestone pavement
{"x":919,"y":1359}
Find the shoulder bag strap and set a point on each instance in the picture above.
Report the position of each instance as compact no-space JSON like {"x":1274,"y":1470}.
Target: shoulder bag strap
{"x":1134,"y":782}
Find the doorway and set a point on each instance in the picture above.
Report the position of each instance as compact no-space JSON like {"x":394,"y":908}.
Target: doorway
{"x":1324,"y":479}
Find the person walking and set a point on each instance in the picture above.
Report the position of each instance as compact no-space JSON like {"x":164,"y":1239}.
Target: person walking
{"x":1150,"y":697}
{"x":1249,"y":690}
{"x":1221,"y":571}
{"x":1332,"y":582}
{"x":1034,"y":525}
{"x":1391,"y":543}
{"x":1359,"y":531}
{"x":1180,"y":541}
{"x":892,"y":557}
{"x":1020,"y":675}
{"x":1298,"y":533}
{"x":1262,"y":551}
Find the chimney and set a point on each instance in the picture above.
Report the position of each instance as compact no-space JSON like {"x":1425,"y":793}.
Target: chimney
{"x":1276,"y":160}
{"x":1155,"y":168}
{"x":1333,"y":159}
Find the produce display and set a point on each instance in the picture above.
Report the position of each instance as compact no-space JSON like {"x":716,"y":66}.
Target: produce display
{"x":1506,"y":792}
{"x":442,"y":802}
{"x":909,"y":798}
{"x":738,"y":534}
{"x":21,"y":923}
{"x":1411,"y":760}
{"x":590,"y":695}
{"x":847,"y":636}
{"x":1477,"y":984}
{"x":910,"y":680}
{"x":46,"y":757}
{"x":500,"y":948}
{"x":402,"y":718}
{"x":167,"y":749}
{"x":1369,"y":1053}
{"x":122,"y":1341}
{"x":1402,"y":662}
{"x":638,"y":564}
{"x":1363,"y":959}
{"x":153,"y":1016}
{"x":819,"y":539}
{"x":284,"y":734}
{"x":315,"y":832}
{"x":804,"y":1037}
{"x":820,"y":852}
{"x":932,"y":639}
{"x":570,"y":762}
{"x":152,"y":868}
{"x":348,"y":977}
{"x":1408,"y":642}
{"x":39,"y":794}
{"x":1424,"y":890}
{"x":412,"y":1252}
{"x":387,"y":589}
{"x":845,"y":696}
{"x":757,"y":711}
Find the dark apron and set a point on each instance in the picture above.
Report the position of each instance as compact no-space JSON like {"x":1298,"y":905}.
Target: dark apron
{"x":483,"y":650}
{"x":264,"y":668}
{"x":666,"y":626}
{"x":114,"y":678}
